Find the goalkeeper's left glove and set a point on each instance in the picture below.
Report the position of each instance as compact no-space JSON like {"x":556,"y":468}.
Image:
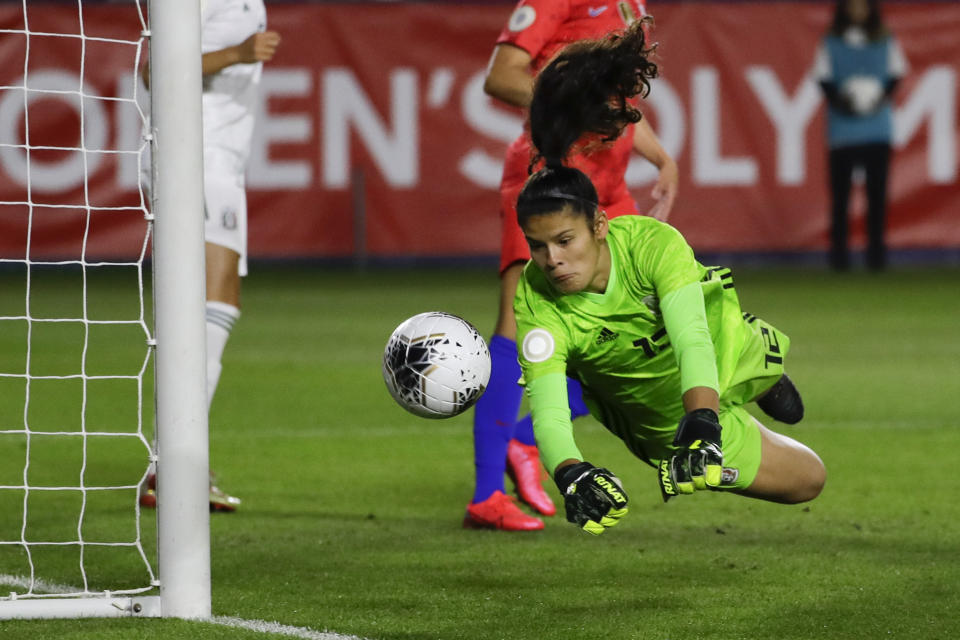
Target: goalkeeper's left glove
{"x":594,"y":497}
{"x":699,"y":462}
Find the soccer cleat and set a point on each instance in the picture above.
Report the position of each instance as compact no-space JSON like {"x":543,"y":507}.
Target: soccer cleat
{"x":148,"y":492}
{"x":782,"y":402}
{"x":499,"y":511}
{"x":148,"y":499}
{"x":524,"y":468}
{"x":219,"y":499}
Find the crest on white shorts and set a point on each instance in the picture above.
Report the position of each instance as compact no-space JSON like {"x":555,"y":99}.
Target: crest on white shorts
{"x":229,"y":218}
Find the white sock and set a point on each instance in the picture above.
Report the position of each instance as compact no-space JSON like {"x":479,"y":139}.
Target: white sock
{"x":220,"y":320}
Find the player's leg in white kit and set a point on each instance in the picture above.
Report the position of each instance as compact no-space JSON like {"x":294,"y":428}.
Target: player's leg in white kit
{"x":223,"y":308}
{"x":225,"y":212}
{"x":220,"y":320}
{"x":225,"y":229}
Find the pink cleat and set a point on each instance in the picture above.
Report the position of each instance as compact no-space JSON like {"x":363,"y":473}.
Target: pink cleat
{"x":524,"y":468}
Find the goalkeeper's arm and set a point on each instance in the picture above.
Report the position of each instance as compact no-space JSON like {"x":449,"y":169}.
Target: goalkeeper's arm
{"x":594,"y":498}
{"x":698,"y":463}
{"x":550,"y":410}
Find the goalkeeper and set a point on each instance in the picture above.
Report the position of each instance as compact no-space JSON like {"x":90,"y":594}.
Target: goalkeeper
{"x":665,"y":355}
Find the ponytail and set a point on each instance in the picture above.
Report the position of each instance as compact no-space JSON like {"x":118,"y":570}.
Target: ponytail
{"x":585,"y":89}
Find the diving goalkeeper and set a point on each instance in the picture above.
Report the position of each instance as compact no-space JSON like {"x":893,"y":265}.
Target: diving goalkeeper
{"x":666,"y":357}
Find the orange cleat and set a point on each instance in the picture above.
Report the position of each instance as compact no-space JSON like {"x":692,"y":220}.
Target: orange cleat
{"x":524,"y":468}
{"x":499,"y":511}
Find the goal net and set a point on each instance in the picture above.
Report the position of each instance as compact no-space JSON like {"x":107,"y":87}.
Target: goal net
{"x":77,"y":333}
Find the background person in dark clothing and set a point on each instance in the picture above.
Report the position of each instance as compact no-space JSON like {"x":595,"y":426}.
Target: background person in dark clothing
{"x":858,"y":65}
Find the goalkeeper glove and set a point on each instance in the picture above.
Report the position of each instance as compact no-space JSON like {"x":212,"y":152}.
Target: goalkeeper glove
{"x":594,"y":497}
{"x":699,"y":462}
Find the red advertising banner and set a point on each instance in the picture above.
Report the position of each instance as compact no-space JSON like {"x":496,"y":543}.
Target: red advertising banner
{"x":375,"y":134}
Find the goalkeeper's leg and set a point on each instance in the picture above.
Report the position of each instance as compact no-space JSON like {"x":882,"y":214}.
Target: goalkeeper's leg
{"x":782,"y":401}
{"x":760,"y":463}
{"x":790,"y":472}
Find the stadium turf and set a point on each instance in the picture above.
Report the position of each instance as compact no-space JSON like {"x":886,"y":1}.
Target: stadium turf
{"x":352,"y":508}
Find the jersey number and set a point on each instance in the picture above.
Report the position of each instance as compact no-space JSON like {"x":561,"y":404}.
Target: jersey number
{"x":773,"y":355}
{"x":652,"y":345}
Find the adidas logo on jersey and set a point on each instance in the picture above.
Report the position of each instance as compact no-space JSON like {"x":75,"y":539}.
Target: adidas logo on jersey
{"x":606,"y":335}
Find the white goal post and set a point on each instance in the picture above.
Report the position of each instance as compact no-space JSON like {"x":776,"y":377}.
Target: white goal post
{"x":183,"y":475}
{"x":181,"y":453}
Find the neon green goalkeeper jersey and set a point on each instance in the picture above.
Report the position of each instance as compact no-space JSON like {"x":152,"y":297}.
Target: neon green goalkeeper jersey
{"x":617,"y":343}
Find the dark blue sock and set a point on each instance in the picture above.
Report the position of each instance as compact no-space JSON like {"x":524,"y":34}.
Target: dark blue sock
{"x":494,"y":417}
{"x":524,"y":429}
{"x":575,"y":398}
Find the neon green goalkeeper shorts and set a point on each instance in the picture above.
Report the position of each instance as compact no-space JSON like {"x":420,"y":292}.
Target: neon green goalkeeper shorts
{"x":759,"y":366}
{"x":740,"y":443}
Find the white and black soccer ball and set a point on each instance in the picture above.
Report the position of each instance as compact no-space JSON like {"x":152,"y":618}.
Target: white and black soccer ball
{"x":436,"y":365}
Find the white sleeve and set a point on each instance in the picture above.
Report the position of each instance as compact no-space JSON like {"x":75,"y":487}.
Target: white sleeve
{"x":897,"y":65}
{"x":822,"y":71}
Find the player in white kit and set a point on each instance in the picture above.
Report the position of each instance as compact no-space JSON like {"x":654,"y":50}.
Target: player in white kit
{"x":235,"y":44}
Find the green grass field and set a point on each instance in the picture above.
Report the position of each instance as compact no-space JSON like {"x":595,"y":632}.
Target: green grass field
{"x":352,"y":508}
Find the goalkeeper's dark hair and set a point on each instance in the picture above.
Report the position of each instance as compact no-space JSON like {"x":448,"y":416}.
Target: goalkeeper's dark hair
{"x":586,"y":89}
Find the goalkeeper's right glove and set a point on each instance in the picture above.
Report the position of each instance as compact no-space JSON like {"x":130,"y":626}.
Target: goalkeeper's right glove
{"x":698,"y":464}
{"x":594,"y":497}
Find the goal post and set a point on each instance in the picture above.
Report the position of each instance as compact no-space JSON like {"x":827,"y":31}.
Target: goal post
{"x":183,"y":476}
{"x":178,"y":339}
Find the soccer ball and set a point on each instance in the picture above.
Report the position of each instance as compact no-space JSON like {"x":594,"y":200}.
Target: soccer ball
{"x":436,"y":365}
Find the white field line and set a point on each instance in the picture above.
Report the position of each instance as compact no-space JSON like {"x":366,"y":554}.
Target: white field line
{"x":39,"y":586}
{"x":281,"y":629}
{"x":261,"y":626}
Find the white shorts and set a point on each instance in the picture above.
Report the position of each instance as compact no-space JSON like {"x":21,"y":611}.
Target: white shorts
{"x":225,"y":212}
{"x":224,"y":201}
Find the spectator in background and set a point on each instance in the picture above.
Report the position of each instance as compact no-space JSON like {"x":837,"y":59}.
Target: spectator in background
{"x":858,"y":65}
{"x":537,"y":29}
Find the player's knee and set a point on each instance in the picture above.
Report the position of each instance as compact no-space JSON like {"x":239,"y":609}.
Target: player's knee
{"x":810,"y":481}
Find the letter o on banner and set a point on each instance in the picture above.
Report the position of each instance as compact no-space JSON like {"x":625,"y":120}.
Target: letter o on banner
{"x":62,"y":175}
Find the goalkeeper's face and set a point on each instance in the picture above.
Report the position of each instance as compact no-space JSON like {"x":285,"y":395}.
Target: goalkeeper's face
{"x":570,"y":249}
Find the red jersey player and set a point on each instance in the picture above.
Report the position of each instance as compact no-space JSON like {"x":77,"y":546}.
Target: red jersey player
{"x":537,"y":29}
